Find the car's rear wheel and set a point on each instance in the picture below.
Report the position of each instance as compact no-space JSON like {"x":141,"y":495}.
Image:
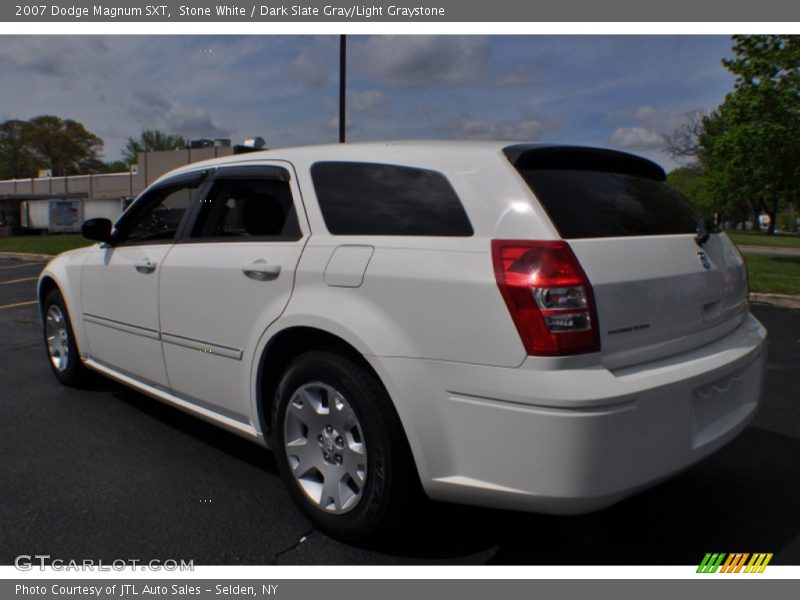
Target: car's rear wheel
{"x":341,"y":449}
{"x":60,"y":342}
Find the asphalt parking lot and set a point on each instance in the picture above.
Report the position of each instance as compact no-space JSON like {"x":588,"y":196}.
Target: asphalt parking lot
{"x":107,"y":473}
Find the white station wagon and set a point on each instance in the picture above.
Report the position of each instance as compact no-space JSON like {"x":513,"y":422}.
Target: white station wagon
{"x":533,"y":327}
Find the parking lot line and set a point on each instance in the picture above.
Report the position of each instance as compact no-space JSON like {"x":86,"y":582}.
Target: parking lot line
{"x":19,"y":266}
{"x":16,"y":304}
{"x":18,"y":280}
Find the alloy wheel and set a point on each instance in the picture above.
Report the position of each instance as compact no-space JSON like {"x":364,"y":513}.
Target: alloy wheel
{"x":57,"y":337}
{"x":325,"y":448}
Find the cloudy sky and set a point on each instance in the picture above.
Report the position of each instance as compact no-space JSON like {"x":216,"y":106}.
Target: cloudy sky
{"x":618,"y":91}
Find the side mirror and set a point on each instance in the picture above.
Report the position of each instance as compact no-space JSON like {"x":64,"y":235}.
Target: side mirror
{"x":97,"y":230}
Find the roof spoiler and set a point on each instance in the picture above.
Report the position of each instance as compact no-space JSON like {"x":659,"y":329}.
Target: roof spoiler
{"x":582,"y":158}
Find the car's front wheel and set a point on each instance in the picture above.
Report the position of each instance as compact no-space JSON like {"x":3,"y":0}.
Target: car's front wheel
{"x":341,"y":449}
{"x":60,"y":341}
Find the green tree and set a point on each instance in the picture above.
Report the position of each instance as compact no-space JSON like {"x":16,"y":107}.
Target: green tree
{"x":684,"y":141}
{"x":116,"y":166}
{"x":63,"y":145}
{"x":48,"y":142}
{"x":149,"y":140}
{"x":16,"y":157}
{"x":750,"y":145}
{"x":692,"y":182}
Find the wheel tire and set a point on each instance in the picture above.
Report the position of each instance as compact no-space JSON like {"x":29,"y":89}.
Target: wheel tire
{"x":390,"y":487}
{"x":67,"y":366}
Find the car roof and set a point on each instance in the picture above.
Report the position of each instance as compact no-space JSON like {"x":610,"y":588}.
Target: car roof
{"x":365,"y":151}
{"x":432,"y":154}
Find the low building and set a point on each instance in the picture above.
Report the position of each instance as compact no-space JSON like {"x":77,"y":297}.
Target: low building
{"x":62,"y":203}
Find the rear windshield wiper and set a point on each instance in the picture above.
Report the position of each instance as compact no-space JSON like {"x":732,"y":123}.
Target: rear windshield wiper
{"x":705,"y":228}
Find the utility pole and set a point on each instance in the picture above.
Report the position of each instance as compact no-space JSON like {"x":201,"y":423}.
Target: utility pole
{"x":342,"y":85}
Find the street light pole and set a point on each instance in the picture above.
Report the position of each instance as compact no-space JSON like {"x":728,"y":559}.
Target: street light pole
{"x":342,"y":85}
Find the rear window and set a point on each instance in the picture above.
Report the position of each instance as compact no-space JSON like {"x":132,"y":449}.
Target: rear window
{"x":378,"y":199}
{"x":594,"y":196}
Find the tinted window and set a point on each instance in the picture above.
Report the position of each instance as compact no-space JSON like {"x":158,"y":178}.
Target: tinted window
{"x":159,"y":221}
{"x":375,"y":199}
{"x":594,"y":193}
{"x":241,"y":209}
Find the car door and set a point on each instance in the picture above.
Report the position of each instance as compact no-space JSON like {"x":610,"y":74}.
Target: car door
{"x":119,"y":281}
{"x":227,"y":280}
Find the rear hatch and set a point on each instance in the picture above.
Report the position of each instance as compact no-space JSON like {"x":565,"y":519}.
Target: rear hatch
{"x":658,"y":290}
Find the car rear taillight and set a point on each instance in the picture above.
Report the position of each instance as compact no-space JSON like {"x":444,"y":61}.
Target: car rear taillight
{"x":548,"y":295}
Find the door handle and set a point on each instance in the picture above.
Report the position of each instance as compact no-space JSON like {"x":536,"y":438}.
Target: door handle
{"x":145,"y":265}
{"x":261,"y":270}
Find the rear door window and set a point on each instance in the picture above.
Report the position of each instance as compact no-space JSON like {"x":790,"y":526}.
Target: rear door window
{"x":379,"y":199}
{"x":593,"y":195}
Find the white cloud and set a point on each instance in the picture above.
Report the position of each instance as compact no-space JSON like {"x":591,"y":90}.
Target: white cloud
{"x":416,"y":61}
{"x":636,"y":138}
{"x":659,"y":119}
{"x":367,"y":100}
{"x":518,"y":76}
{"x":154,"y":111}
{"x":529,"y":129}
{"x":652,"y":117}
{"x":62,"y":57}
{"x":644,"y":128}
{"x":309,"y":69}
{"x":649,"y":113}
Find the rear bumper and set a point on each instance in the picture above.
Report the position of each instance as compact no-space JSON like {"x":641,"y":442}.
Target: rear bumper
{"x":569,"y":440}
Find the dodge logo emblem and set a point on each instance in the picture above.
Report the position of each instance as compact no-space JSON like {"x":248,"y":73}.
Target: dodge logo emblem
{"x":703,"y":258}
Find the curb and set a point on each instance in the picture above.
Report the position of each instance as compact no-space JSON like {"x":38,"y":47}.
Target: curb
{"x":784,"y":300}
{"x":26,"y":256}
{"x":771,"y":251}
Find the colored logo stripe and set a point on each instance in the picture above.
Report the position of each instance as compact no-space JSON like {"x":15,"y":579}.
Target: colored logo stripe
{"x":710,"y":563}
{"x":734,"y":562}
{"x":759,"y":561}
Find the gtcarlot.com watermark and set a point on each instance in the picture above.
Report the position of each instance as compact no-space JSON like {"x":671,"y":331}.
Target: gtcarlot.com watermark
{"x":42,"y":562}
